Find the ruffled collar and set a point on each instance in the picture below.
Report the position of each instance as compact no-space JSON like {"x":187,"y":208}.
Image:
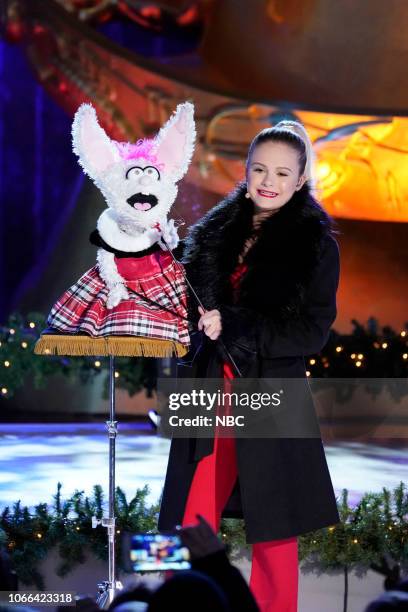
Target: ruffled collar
{"x":120,"y":240}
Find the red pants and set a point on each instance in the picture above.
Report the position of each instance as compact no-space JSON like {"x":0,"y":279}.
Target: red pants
{"x":274,"y":574}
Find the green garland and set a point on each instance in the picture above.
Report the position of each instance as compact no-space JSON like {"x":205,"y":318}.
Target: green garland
{"x":376,"y":527}
{"x":374,"y":530}
{"x":29,"y":536}
{"x":368,"y":352}
{"x":19,"y":363}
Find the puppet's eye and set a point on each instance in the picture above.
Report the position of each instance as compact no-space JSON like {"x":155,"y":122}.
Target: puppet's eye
{"x":152,"y":172}
{"x":134,"y":172}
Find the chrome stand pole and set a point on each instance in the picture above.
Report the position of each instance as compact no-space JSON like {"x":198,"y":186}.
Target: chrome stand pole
{"x":108,"y":588}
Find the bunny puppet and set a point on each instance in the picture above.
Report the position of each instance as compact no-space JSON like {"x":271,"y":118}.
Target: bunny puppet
{"x":134,"y":298}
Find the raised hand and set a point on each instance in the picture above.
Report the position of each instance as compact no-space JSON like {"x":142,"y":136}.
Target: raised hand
{"x":210,"y":323}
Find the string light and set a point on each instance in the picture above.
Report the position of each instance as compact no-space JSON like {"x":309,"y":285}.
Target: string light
{"x":355,"y":541}
{"x":39,"y":536}
{"x":331,"y":528}
{"x":358,"y":358}
{"x":78,"y":528}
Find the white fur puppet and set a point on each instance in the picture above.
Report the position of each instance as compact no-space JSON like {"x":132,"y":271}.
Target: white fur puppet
{"x":138,"y":183}
{"x":136,"y":290}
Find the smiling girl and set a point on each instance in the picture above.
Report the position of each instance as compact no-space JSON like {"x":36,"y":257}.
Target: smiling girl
{"x":266,"y":266}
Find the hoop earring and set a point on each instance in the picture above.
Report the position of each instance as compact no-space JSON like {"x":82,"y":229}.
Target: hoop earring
{"x":247,"y":195}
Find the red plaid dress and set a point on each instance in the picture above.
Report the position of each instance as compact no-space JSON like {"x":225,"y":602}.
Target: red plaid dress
{"x":157,"y":309}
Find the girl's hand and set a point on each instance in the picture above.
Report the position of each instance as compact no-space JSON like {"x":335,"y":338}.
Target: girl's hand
{"x":210,"y":322}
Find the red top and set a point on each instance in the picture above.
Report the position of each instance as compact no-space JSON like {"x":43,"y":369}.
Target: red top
{"x":235,"y":280}
{"x":132,"y":268}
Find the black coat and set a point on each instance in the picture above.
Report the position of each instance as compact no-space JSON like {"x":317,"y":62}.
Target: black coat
{"x":284,"y":310}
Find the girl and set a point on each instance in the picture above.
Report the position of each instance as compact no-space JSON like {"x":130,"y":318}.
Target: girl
{"x":266,"y":266}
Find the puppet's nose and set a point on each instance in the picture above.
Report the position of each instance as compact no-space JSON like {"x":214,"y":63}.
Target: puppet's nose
{"x":145,"y":180}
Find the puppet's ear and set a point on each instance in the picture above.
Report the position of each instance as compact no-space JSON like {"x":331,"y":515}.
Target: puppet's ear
{"x":175,"y":141}
{"x":95,"y":150}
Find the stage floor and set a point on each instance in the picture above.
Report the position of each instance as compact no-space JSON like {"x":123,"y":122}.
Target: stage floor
{"x":35,"y":457}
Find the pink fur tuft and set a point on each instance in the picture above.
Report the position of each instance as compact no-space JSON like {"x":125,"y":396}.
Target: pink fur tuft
{"x":143,"y":148}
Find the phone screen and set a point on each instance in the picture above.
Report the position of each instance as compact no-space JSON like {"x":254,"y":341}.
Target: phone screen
{"x":157,"y":552}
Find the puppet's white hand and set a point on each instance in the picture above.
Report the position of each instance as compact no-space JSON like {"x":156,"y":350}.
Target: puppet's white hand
{"x":116,"y":294}
{"x":169,"y":235}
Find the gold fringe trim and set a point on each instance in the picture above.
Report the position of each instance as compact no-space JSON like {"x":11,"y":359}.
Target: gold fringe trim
{"x":118,"y":346}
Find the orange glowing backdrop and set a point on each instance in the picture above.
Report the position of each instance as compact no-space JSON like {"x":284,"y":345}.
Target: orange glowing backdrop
{"x":361,"y":161}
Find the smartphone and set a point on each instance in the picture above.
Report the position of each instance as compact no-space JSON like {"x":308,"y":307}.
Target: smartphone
{"x":154,"y":552}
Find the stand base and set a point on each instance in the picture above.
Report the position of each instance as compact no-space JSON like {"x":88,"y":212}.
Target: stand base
{"x":107,"y":592}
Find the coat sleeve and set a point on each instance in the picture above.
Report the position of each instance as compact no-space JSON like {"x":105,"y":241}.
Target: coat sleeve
{"x":246,"y":330}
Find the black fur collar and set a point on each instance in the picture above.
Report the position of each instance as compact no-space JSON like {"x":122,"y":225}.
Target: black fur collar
{"x":280,"y":264}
